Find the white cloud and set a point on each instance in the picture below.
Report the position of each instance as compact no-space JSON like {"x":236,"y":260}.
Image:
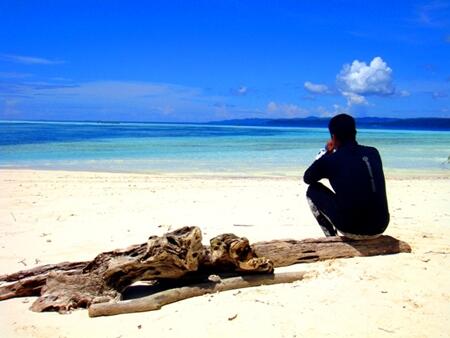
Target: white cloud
{"x":316,"y":88}
{"x":439,"y":95}
{"x":358,"y":80}
{"x":324,"y":112}
{"x":28,"y":60}
{"x":354,"y":99}
{"x":242,"y":90}
{"x":404,"y":93}
{"x":366,"y":79}
{"x":272,"y":107}
{"x":336,"y":109}
{"x":286,"y":110}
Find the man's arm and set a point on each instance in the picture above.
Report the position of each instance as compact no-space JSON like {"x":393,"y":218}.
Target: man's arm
{"x":316,"y":171}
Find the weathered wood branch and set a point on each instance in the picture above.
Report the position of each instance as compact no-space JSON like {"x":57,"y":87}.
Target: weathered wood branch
{"x":156,"y":301}
{"x":29,"y":286}
{"x":178,"y":255}
{"x":289,"y":252}
{"x":30,"y":282}
{"x":43,"y":269}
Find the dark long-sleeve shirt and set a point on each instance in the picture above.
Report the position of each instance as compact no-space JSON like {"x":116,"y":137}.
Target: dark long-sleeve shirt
{"x":356,"y":175}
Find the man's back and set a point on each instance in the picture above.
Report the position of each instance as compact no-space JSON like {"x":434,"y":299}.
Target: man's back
{"x":356,"y":175}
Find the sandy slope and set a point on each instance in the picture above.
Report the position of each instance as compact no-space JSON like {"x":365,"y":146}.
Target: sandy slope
{"x":53,"y":216}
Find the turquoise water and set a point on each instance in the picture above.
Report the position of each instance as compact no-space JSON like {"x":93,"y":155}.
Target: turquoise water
{"x":177,"y":148}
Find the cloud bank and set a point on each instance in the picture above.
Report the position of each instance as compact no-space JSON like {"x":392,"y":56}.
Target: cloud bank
{"x":28,"y":60}
{"x":114,"y":100}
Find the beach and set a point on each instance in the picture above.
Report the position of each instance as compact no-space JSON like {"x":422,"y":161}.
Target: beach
{"x":128,"y":126}
{"x":54,"y":216}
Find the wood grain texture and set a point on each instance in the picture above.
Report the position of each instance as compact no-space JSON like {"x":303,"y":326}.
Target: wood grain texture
{"x":288,"y":252}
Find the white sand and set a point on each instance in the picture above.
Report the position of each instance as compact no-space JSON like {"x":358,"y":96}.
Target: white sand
{"x":48,"y":217}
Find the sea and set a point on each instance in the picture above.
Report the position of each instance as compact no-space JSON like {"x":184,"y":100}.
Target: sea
{"x":203,"y":149}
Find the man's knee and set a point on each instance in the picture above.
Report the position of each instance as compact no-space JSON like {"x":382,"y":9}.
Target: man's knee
{"x":313,"y":189}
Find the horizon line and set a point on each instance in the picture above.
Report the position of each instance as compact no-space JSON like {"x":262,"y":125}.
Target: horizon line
{"x":224,"y":120}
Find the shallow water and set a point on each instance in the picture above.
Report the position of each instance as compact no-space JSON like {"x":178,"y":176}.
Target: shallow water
{"x":179,"y":148}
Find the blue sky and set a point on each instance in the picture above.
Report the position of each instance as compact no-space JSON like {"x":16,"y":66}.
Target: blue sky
{"x":213,"y":60}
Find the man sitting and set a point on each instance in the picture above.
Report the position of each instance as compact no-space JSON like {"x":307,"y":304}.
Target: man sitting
{"x":358,"y":206}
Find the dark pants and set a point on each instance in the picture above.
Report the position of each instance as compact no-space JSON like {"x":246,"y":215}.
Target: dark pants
{"x":322,"y":202}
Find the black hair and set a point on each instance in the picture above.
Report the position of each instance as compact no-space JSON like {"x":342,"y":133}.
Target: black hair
{"x":343,"y":127}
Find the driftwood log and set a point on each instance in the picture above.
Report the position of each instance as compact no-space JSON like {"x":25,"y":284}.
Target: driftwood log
{"x":289,"y":252}
{"x":176,"y":256}
{"x":156,"y":301}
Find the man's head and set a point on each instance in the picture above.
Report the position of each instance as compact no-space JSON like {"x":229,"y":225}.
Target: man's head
{"x":342,"y":129}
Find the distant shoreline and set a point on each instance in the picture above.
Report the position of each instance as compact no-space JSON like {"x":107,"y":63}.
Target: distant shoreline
{"x":419,"y":123}
{"x":424,"y":123}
